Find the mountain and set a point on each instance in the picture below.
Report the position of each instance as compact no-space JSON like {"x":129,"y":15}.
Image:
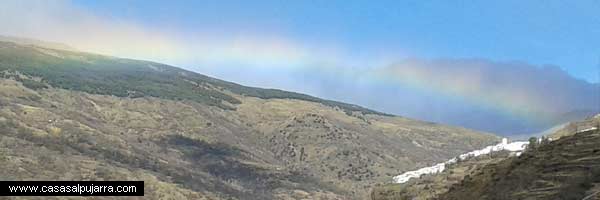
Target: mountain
{"x":38,"y":43}
{"x":567,"y":167}
{"x":67,"y":115}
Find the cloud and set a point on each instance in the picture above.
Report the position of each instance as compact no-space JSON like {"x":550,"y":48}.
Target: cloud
{"x":510,"y":86}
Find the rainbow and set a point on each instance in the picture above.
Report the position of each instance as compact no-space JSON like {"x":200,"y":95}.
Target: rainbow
{"x":466,"y":84}
{"x":264,"y":53}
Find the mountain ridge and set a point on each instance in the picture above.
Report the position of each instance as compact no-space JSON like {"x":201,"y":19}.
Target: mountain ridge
{"x":78,"y":116}
{"x":39,"y":43}
{"x":142,"y":66}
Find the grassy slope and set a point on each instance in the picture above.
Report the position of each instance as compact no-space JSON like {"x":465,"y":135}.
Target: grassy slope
{"x":133,"y":78}
{"x":123,"y":119}
{"x":182,"y":150}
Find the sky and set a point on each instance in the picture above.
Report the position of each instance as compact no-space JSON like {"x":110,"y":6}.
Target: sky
{"x":509,"y":67}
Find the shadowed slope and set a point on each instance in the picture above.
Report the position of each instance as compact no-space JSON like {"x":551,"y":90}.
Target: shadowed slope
{"x":78,"y":116}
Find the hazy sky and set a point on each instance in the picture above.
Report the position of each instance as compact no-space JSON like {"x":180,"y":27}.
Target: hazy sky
{"x":561,"y":33}
{"x":502,"y":66}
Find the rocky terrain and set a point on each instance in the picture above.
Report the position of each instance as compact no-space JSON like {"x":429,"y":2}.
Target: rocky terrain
{"x":564,"y":168}
{"x":568,"y":168}
{"x":68,"y":115}
{"x":433,"y":185}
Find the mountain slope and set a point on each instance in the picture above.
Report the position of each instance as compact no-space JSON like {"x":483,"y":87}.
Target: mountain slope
{"x":38,"y":43}
{"x":78,"y":116}
{"x":431,"y":186}
{"x":568,"y":168}
{"x":132,"y":78}
{"x":574,"y":127}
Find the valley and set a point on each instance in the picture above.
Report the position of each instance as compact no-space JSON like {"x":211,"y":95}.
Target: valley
{"x":299,"y":100}
{"x":78,"y":116}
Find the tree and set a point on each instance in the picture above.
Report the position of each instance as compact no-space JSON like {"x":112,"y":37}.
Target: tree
{"x":533,"y":143}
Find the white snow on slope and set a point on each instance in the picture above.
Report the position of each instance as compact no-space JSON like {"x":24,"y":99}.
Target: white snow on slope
{"x":440,"y":167}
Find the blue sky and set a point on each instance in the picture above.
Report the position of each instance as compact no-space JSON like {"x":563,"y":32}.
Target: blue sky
{"x":508,"y":67}
{"x":562,"y":33}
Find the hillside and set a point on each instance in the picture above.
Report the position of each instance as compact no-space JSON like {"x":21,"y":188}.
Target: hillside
{"x":576,"y":126}
{"x":568,"y":168}
{"x":77,"y":116}
{"x":38,"y":43}
{"x":120,"y":77}
{"x":433,"y":185}
{"x":564,"y":168}
{"x":433,"y":181}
